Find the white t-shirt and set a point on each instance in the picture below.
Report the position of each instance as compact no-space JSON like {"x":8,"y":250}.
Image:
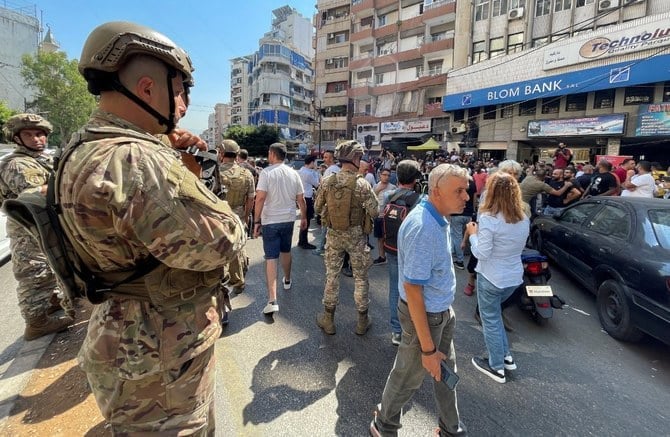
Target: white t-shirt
{"x":310,"y":180}
{"x":282,"y":185}
{"x":645,"y":186}
{"x":331,"y":170}
{"x":371,"y":179}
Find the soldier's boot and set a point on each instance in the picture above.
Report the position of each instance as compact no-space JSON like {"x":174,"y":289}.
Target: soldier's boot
{"x":326,"y":320}
{"x":364,"y":323}
{"x":41,"y":325}
{"x":54,"y":304}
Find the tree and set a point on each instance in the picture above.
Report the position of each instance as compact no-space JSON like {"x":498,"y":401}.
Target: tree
{"x":5,"y":113}
{"x":61,"y":93}
{"x":256,"y":139}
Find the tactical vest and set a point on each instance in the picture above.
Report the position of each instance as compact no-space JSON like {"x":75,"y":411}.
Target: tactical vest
{"x":149,"y":280}
{"x":235,"y":185}
{"x":5,"y":191}
{"x":343,"y":209}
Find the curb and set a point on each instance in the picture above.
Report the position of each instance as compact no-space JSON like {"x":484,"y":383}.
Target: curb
{"x":18,"y":374}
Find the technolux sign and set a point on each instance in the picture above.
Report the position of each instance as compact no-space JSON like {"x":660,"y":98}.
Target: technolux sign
{"x":636,"y":72}
{"x":643,"y":36}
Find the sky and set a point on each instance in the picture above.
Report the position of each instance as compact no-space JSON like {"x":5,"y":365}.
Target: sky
{"x":211,"y":31}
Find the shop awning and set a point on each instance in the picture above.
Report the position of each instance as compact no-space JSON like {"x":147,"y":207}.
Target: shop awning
{"x":431,"y":144}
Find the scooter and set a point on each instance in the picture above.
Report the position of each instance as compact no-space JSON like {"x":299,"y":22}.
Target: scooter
{"x":535,"y":295}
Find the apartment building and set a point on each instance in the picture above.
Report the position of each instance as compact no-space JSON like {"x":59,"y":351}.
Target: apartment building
{"x":400,"y":52}
{"x":275,"y":85}
{"x":590,"y":73}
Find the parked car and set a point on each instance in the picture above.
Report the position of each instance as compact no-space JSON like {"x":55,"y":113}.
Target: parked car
{"x":619,"y":249}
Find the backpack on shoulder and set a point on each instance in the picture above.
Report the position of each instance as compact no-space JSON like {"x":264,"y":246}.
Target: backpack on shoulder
{"x":399,"y":205}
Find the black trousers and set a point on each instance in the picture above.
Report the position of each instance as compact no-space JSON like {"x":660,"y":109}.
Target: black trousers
{"x":302,"y":235}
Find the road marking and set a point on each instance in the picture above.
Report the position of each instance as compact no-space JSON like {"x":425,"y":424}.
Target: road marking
{"x":580,"y":311}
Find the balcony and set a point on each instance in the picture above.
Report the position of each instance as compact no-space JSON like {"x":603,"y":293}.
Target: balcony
{"x":332,"y":19}
{"x":431,"y":46}
{"x":362,"y":34}
{"x":389,"y":29}
{"x":438,"y":8}
{"x":358,"y":6}
{"x":359,"y":89}
{"x":361,"y":61}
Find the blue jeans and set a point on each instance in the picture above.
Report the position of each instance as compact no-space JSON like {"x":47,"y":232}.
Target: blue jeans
{"x":457,"y":228}
{"x":394,"y":294}
{"x":550,"y":210}
{"x":489,"y":298}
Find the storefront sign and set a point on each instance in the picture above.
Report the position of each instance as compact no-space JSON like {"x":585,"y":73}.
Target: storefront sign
{"x":393,"y":127}
{"x":653,"y":120}
{"x":418,"y":126}
{"x":643,"y":36}
{"x":623,"y":74}
{"x":600,"y":125}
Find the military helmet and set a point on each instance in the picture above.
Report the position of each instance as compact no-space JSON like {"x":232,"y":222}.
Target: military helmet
{"x":110,"y":45}
{"x":229,"y":146}
{"x":348,"y":151}
{"x":19,"y":122}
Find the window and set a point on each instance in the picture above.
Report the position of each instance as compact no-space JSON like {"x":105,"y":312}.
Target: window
{"x":611,"y":221}
{"x":528,"y":108}
{"x":578,"y":214}
{"x":435,"y":67}
{"x":489,"y":112}
{"x":433,"y":100}
{"x":513,"y":4}
{"x":479,"y":52}
{"x":603,"y":99}
{"x":575,"y":102}
{"x":581,"y":3}
{"x":481,"y":10}
{"x":497,"y":47}
{"x":333,"y":63}
{"x":542,"y":7}
{"x":336,"y":87}
{"x":499,"y":8}
{"x":551,"y":105}
{"x":507,"y":111}
{"x":459,"y":116}
{"x":381,"y":20}
{"x":562,"y":5}
{"x":538,"y":42}
{"x":419,"y":71}
{"x":379,"y":78}
{"x":515,"y":42}
{"x":473,"y":113}
{"x":636,"y":95}
{"x":666,"y":92}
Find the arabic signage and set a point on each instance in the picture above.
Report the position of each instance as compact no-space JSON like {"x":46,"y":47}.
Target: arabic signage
{"x":643,"y":36}
{"x":623,"y":74}
{"x":601,"y":125}
{"x":418,"y":126}
{"x":653,"y":120}
{"x":393,"y":127}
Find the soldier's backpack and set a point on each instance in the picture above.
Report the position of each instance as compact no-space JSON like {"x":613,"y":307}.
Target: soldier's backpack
{"x":235,"y":186}
{"x":338,"y":198}
{"x":399,"y":205}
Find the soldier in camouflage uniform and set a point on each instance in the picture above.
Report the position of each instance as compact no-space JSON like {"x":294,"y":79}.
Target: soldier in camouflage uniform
{"x":347,"y":206}
{"x":238,"y":183}
{"x":126,"y":198}
{"x":28,"y":168}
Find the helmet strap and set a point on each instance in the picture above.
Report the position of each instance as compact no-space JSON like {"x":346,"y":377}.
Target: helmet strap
{"x":167,"y":122}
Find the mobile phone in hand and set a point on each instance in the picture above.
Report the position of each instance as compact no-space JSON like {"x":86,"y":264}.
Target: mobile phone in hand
{"x":449,"y":377}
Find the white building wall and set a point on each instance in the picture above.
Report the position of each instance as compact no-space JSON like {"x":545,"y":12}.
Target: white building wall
{"x":19,"y":35}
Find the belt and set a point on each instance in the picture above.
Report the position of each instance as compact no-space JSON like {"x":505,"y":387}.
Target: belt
{"x":427,"y":312}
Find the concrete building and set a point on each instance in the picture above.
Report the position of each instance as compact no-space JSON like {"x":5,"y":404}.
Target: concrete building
{"x":590,"y":73}
{"x":400,"y":53}
{"x":279,"y":77}
{"x":19,"y":35}
{"x":219,"y":121}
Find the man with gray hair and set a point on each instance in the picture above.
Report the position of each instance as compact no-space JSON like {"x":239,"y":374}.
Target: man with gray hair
{"x":427,"y":285}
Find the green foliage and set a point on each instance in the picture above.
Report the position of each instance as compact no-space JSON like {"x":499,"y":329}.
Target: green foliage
{"x":256,"y":139}
{"x":61,"y":93}
{"x":5,"y":113}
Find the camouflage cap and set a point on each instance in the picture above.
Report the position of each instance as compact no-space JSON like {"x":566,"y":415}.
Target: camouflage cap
{"x":19,"y":122}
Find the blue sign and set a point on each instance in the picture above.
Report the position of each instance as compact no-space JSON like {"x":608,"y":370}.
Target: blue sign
{"x":637,"y":72}
{"x":653,"y":120}
{"x":610,"y":124}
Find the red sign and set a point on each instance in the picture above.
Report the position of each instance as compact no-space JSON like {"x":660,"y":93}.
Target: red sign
{"x":615,"y":160}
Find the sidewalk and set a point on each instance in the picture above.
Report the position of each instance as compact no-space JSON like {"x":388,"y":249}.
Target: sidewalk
{"x":45,"y":392}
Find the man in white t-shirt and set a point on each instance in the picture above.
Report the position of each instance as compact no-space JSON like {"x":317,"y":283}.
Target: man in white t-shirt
{"x":279,"y":189}
{"x":642,"y":184}
{"x":380,"y":189}
{"x":329,"y":160}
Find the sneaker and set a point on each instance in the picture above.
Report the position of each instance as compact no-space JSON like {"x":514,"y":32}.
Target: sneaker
{"x":379,"y":261}
{"x":286,"y":284}
{"x":459,"y":265}
{"x":469,"y":290}
{"x":509,"y":363}
{"x":482,"y":364}
{"x":395,"y":338}
{"x":271,"y":307}
{"x":307,"y":246}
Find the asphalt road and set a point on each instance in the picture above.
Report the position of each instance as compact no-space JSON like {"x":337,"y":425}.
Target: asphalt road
{"x":282,"y":376}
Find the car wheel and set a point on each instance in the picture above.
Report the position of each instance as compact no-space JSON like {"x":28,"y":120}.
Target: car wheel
{"x":614,"y":312}
{"x":536,"y":240}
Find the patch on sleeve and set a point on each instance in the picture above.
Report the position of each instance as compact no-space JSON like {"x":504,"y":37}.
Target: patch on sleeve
{"x":190,"y":188}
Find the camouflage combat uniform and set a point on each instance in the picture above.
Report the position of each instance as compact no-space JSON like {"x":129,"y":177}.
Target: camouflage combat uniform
{"x":125,"y":197}
{"x":352,"y":240}
{"x":239,"y":186}
{"x":28,"y":170}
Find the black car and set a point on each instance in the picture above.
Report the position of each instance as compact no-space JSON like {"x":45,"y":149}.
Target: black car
{"x":618,"y":248}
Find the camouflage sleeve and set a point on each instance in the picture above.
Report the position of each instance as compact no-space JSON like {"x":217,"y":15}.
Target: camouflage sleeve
{"x":172,"y":213}
{"x":320,"y":200}
{"x":369,"y":200}
{"x":251,"y":190}
{"x":20,"y":176}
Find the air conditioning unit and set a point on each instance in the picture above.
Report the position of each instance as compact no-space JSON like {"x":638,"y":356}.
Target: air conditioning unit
{"x":513,"y":14}
{"x":604,"y":5}
{"x":458,"y":129}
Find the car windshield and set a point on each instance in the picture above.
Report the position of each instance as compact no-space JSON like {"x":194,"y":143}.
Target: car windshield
{"x":660,"y":222}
